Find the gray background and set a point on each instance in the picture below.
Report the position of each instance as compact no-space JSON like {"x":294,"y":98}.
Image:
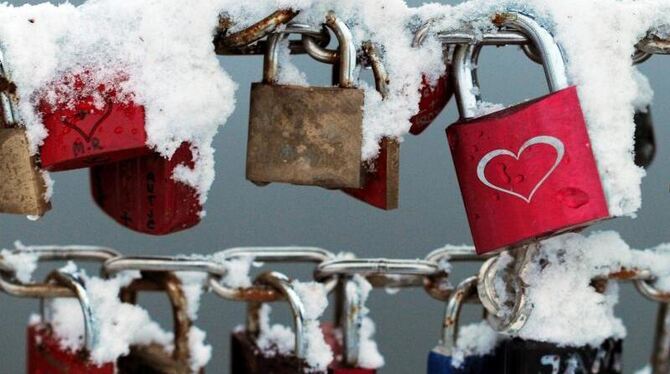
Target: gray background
{"x":431,"y":214}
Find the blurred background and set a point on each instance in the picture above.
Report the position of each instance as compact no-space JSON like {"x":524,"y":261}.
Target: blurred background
{"x":431,"y":214}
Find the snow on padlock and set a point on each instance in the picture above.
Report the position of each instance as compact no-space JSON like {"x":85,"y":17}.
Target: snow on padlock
{"x":45,"y":353}
{"x":90,"y":125}
{"x":434,"y":98}
{"x":526,"y":357}
{"x":440,"y":359}
{"x":528,"y":171}
{"x":142,"y":195}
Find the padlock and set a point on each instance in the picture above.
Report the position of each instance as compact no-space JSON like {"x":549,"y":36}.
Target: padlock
{"x":345,"y":339}
{"x":23,"y":188}
{"x":434,"y":97}
{"x":440,"y":359}
{"x":645,"y":141}
{"x":382,"y":175}
{"x":528,"y":171}
{"x":141,"y":194}
{"x":248,"y":358}
{"x":155,"y":358}
{"x":307,"y":135}
{"x":526,"y":357}
{"x":45,"y":354}
{"x":90,"y":125}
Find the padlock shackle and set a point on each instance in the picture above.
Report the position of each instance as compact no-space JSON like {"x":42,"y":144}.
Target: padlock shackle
{"x":465,"y":61}
{"x":452,"y":313}
{"x":76,"y":283}
{"x":170,"y":284}
{"x":9,"y":115}
{"x":352,"y":319}
{"x":282,"y":284}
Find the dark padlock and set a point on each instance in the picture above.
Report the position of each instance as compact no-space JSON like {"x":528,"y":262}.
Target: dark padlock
{"x":382,"y":175}
{"x":141,"y":194}
{"x":248,"y":358}
{"x":526,"y":357}
{"x":23,"y":188}
{"x":45,"y":354}
{"x":307,"y":135}
{"x":645,"y":141}
{"x":526,"y":172}
{"x":83,"y":134}
{"x":440,"y":359}
{"x":154,"y":358}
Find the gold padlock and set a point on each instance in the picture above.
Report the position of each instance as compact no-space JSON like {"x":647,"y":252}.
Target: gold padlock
{"x":307,"y":135}
{"x":22,"y":186}
{"x":153,"y":358}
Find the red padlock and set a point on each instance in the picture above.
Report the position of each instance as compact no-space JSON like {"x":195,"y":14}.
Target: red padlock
{"x":45,"y":354}
{"x":434,"y":97}
{"x":528,"y":171}
{"x":89,"y":125}
{"x":382,"y":176}
{"x":142,"y":195}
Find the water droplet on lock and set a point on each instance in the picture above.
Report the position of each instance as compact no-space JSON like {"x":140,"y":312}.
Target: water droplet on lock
{"x":519,"y":179}
{"x":33,"y":218}
{"x":133,"y":131}
{"x":573,"y":197}
{"x":477,"y":216}
{"x":481,"y":134}
{"x":474,"y":149}
{"x":118,"y":130}
{"x":497,"y":196}
{"x":502,"y":172}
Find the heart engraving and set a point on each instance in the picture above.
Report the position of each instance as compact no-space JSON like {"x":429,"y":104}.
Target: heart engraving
{"x":556,"y":143}
{"x":89,"y":135}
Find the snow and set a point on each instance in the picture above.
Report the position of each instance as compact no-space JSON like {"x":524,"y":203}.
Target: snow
{"x":368,"y":353}
{"x":21,"y":260}
{"x":192,"y":283}
{"x":644,"y":370}
{"x":237,"y":275}
{"x":200,"y":353}
{"x":275,"y":339}
{"x":476,"y":339}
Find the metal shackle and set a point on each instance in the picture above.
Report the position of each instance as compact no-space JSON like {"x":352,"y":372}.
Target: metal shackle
{"x":346,"y":53}
{"x":352,"y":320}
{"x":463,"y":61}
{"x":76,"y":284}
{"x":465,"y":290}
{"x":9,"y":114}
{"x":282,"y":284}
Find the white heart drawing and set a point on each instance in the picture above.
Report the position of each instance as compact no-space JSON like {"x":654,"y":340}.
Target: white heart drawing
{"x":549,"y":140}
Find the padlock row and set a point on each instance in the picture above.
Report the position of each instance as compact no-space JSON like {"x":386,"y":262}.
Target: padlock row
{"x":135,"y":186}
{"x":335,"y":273}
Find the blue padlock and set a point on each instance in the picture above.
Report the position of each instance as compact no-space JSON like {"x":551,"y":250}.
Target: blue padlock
{"x":440,"y":359}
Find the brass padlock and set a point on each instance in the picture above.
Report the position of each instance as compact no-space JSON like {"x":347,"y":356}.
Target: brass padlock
{"x":22,"y":186}
{"x":153,"y":358}
{"x":307,"y":135}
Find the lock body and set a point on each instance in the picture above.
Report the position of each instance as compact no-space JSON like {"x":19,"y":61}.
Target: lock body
{"x":525,"y":357}
{"x":45,"y":356}
{"x":247,"y":358}
{"x":441,"y":363}
{"x":84,"y":132}
{"x":382,"y":178}
{"x":22,"y":190}
{"x":333,"y":337}
{"x":434,"y":98}
{"x":141,"y":194}
{"x":306,"y":136}
{"x":527,"y":172}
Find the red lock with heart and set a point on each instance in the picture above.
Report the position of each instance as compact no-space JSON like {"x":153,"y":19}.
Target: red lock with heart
{"x":434,"y":95}
{"x":89,"y":124}
{"x":142,"y":195}
{"x":528,"y":171}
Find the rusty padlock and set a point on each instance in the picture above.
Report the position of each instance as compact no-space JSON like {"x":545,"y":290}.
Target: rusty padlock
{"x":45,"y":353}
{"x":382,"y":175}
{"x":154,"y":358}
{"x":23,"y":188}
{"x":83,"y":133}
{"x":307,"y":135}
{"x":247,"y":356}
{"x":141,"y":194}
{"x":528,"y":171}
